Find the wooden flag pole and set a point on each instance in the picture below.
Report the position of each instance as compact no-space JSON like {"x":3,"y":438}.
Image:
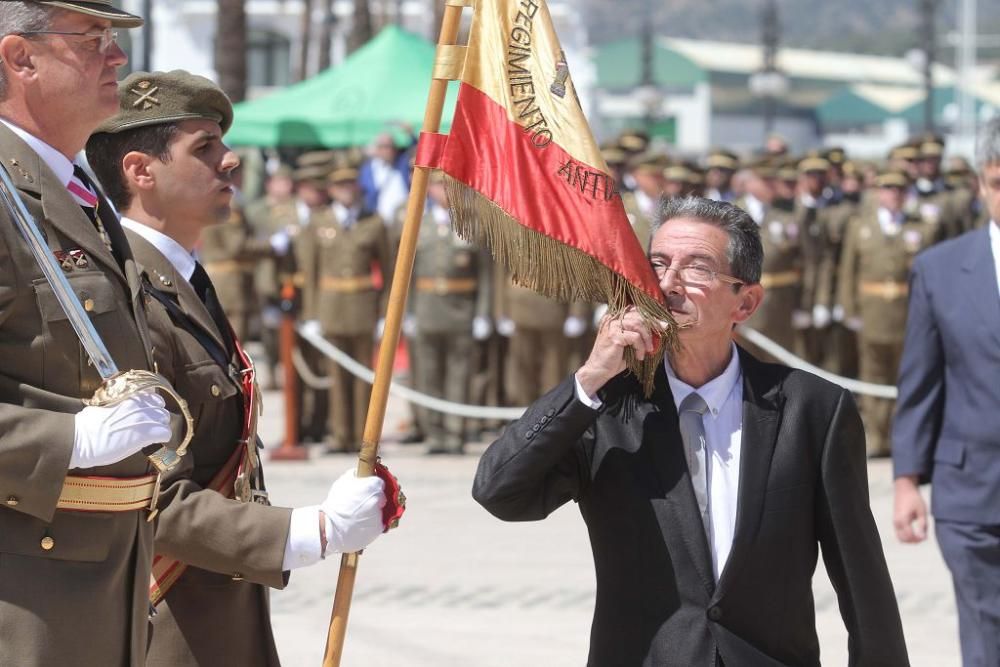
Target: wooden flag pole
{"x":390,"y":338}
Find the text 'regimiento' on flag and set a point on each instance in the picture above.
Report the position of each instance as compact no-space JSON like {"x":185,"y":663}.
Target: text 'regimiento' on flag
{"x":527,"y":179}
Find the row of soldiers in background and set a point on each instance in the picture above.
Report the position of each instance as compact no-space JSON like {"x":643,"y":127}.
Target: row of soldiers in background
{"x":839,"y":239}
{"x":473,"y":336}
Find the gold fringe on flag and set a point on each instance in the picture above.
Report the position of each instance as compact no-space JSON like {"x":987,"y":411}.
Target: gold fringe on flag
{"x":559,"y":271}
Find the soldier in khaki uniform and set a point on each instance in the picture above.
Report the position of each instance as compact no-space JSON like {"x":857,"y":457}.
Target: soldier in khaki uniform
{"x":643,"y":203}
{"x":219,"y":543}
{"x":879,"y":248}
{"x":782,"y":269}
{"x":720,"y":167}
{"x":810,"y":216}
{"x":931,"y":197}
{"x":231,"y":253}
{"x":449,"y":306}
{"x":73,"y":584}
{"x":339,"y":252}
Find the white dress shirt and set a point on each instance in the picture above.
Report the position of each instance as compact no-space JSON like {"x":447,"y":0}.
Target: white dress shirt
{"x":995,"y":245}
{"x":302,"y":547}
{"x":723,"y":439}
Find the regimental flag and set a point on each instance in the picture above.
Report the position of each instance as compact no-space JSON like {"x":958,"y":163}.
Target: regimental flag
{"x":527,"y":178}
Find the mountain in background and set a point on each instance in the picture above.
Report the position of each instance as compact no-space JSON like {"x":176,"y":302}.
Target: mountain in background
{"x":888,"y":27}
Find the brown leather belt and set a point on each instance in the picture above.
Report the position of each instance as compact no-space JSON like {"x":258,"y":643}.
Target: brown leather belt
{"x":447,"y":285}
{"x":349,"y":284}
{"x":886,"y":289}
{"x":780,"y":279}
{"x":107,"y":494}
{"x":229,"y":266}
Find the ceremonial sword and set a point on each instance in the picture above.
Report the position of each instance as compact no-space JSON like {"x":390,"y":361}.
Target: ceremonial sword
{"x":117,"y":385}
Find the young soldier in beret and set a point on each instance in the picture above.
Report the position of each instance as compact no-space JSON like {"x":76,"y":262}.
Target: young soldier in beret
{"x":218,"y":541}
{"x":73,"y":584}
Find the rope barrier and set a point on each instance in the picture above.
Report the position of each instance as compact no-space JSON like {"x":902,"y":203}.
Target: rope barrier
{"x":362,"y":372}
{"x":789,"y":359}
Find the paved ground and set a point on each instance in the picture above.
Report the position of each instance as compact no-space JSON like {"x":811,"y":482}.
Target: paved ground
{"x":456,"y":587}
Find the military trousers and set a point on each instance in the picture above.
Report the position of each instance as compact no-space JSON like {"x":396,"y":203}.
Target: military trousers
{"x":878,"y":363}
{"x":349,"y":395}
{"x":444,"y":370}
{"x":536,"y":364}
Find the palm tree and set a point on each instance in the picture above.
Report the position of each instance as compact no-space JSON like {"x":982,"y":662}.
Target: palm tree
{"x":361,"y":29}
{"x":231,"y":48}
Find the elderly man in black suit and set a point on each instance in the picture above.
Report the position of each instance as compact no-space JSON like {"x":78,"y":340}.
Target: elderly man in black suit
{"x":707,"y":502}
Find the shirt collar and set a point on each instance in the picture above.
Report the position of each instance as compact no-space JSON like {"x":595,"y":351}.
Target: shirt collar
{"x":995,"y":239}
{"x":716,"y":391}
{"x":179,"y":258}
{"x":56,"y":161}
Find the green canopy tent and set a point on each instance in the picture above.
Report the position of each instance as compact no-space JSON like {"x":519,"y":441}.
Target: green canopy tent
{"x":380,"y":85}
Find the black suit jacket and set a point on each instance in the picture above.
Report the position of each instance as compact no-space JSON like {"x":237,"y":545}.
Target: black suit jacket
{"x":803,"y":484}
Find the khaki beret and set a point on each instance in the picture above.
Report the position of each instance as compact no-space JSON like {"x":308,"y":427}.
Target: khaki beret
{"x":722,"y":159}
{"x":156,"y":98}
{"x":892,"y":178}
{"x":100,"y":8}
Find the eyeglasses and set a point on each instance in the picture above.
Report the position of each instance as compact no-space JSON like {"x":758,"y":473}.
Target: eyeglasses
{"x":107,"y":37}
{"x":697,"y":275}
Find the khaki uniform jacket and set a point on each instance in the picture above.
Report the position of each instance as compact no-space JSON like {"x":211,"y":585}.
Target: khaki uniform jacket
{"x":230,"y":254}
{"x":83,"y":601}
{"x":337,"y":266}
{"x":452,"y":280}
{"x":871,"y":259}
{"x":640,"y":221}
{"x":781,"y":275}
{"x":835,"y":228}
{"x":218,"y":611}
{"x":812,"y":227}
{"x":266,"y":218}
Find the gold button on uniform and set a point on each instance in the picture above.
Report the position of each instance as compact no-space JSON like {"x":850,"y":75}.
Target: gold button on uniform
{"x":47,"y":543}
{"x":216,"y":391}
{"x":12,"y":501}
{"x":88,"y":305}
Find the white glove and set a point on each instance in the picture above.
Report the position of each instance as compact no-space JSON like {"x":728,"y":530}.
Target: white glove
{"x":854,"y":323}
{"x":106,"y":435}
{"x":379,"y":328}
{"x":482,"y":328}
{"x":311,"y":328}
{"x":409,"y":326}
{"x":505,"y":327}
{"x":280,"y":242}
{"x":599,"y":313}
{"x":821,"y":316}
{"x":838,"y":313}
{"x":353,"y":510}
{"x":574,"y":327}
{"x":801,"y":319}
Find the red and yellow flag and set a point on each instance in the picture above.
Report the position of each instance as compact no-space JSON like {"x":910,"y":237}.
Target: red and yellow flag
{"x":526,"y":175}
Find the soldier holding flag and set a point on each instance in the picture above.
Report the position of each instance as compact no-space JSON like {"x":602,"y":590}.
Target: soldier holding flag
{"x":73,"y":584}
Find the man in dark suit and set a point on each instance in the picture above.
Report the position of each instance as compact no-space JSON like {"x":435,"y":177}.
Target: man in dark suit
{"x":707,"y":501}
{"x":219,"y":543}
{"x":947,"y":428}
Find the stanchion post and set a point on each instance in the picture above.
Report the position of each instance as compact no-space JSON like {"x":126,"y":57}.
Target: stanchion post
{"x":290,"y":449}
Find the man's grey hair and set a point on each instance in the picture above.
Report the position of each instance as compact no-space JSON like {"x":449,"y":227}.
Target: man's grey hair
{"x":745,"y":252}
{"x":988,"y":147}
{"x":21,"y":17}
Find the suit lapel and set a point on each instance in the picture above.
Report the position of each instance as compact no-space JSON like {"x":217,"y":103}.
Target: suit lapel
{"x":762,"y":403}
{"x":679,"y":509}
{"x":979,"y":273}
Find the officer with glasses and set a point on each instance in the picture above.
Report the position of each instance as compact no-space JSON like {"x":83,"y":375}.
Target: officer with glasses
{"x":75,"y":542}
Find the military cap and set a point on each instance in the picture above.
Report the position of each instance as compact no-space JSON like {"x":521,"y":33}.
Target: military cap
{"x":722,"y":159}
{"x":788,"y":170}
{"x":932,"y":148}
{"x":764,"y":168}
{"x":316,"y":158}
{"x":655,"y":161}
{"x":813,"y":163}
{"x":677,"y":172}
{"x":343,"y":173}
{"x":613,"y":153}
{"x":892,"y":178}
{"x":100,"y":8}
{"x":904,"y":152}
{"x":851,"y":168}
{"x":696,"y":176}
{"x":315,"y":173}
{"x":634,"y":141}
{"x":835,"y":155}
{"x":155,"y":98}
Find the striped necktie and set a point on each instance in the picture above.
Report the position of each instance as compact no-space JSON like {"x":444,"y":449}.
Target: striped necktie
{"x":85,"y":194}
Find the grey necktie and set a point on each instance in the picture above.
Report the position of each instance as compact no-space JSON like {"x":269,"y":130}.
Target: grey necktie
{"x":693,"y":433}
